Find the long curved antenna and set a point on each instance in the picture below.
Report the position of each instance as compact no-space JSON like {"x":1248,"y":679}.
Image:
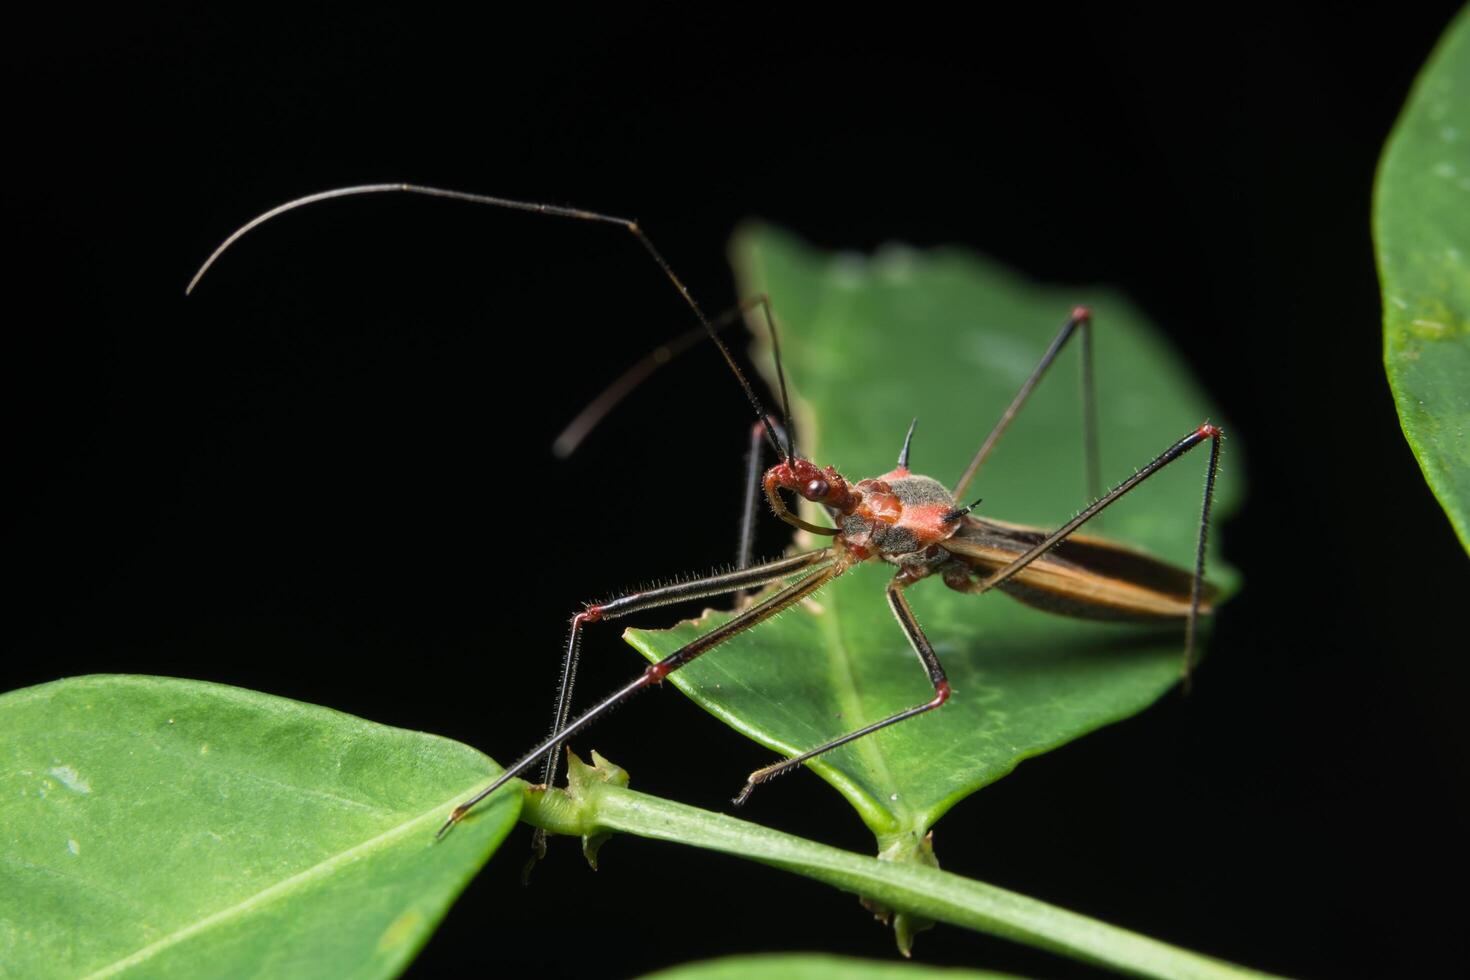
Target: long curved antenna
{"x":599,"y":408}
{"x":765,"y":304}
{"x":501,"y":202}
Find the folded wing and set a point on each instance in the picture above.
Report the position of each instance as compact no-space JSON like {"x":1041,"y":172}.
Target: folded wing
{"x":1083,"y":576}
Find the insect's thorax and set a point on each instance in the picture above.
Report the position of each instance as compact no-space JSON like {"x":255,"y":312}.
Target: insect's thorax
{"x":900,"y":518}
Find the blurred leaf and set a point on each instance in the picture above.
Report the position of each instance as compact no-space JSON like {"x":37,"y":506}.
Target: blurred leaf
{"x":181,"y":829}
{"x":813,"y":966}
{"x":1421,"y":224}
{"x":870,"y":343}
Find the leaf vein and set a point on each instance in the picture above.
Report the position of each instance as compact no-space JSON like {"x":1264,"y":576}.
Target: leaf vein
{"x":276,"y":891}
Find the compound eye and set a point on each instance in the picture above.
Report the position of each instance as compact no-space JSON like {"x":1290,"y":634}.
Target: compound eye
{"x":816,"y":490}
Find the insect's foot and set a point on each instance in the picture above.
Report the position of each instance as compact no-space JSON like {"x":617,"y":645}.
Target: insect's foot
{"x":755,"y":779}
{"x":455,"y":816}
{"x":744,"y":794}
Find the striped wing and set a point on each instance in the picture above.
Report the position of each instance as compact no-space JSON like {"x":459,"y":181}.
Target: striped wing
{"x":1083,"y":576}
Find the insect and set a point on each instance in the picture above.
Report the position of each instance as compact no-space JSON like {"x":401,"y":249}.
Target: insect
{"x":902,"y":518}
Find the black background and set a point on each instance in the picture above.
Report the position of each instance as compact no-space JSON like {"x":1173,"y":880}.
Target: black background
{"x":327,"y":475}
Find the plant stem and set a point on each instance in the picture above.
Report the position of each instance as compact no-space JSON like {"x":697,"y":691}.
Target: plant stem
{"x":919,"y":890}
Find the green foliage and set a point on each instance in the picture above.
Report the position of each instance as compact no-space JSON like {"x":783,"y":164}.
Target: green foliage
{"x":869,"y":344}
{"x":1421,"y":223}
{"x":176,"y":828}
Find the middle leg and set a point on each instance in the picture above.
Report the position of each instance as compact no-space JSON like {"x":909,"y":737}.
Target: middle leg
{"x":905,"y":616}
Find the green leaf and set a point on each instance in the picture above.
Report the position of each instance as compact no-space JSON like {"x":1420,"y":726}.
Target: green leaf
{"x":176,"y":828}
{"x":813,"y":966}
{"x":1421,"y":224}
{"x":869,"y":343}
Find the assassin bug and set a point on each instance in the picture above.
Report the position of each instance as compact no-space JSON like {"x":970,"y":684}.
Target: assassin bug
{"x":902,"y":518}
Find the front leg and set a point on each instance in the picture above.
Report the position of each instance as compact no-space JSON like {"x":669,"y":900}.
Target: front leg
{"x":905,"y":616}
{"x":753,"y":577}
{"x":823,"y":566}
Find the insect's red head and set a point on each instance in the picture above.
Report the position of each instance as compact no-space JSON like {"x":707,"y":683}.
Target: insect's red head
{"x":820,"y":486}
